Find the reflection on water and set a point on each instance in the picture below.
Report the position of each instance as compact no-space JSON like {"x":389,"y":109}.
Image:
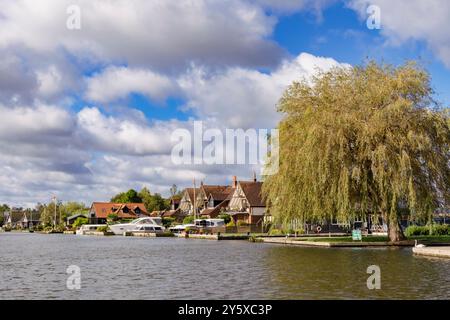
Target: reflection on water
{"x":33,"y":266}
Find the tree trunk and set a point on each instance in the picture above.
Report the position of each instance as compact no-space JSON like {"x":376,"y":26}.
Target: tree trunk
{"x":395,"y":232}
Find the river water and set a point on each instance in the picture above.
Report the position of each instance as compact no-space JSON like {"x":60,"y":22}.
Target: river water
{"x":33,"y":266}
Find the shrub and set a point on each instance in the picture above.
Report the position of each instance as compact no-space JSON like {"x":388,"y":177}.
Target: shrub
{"x":242,"y":223}
{"x":275,"y":232}
{"x":435,"y":229}
{"x":225,"y":217}
{"x":440,"y":229}
{"x":231,"y":223}
{"x":299,"y":231}
{"x":102,"y":229}
{"x":417,"y":231}
{"x":188,"y":220}
{"x":168,"y":221}
{"x":79,"y":222}
{"x":112,"y":217}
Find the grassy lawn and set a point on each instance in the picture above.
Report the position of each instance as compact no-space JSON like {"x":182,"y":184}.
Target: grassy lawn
{"x":443,"y":239}
{"x":342,"y":239}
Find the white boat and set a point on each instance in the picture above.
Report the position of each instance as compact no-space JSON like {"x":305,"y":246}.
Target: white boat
{"x":88,"y":227}
{"x":121,"y":228}
{"x":209,"y":223}
{"x":148,"y":228}
{"x":181,"y":228}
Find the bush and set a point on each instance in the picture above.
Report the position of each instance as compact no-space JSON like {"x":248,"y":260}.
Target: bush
{"x":275,"y":232}
{"x":225,"y":217}
{"x":102,"y":229}
{"x":299,"y":231}
{"x":188,"y":220}
{"x":417,"y":231}
{"x":79,"y":222}
{"x":435,"y":229}
{"x":112,"y":217}
{"x":440,"y":229}
{"x":167,"y":222}
{"x":231,"y":223}
{"x":242,"y":223}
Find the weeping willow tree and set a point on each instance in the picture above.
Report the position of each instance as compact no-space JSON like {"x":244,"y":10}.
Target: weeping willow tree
{"x":358,"y":141}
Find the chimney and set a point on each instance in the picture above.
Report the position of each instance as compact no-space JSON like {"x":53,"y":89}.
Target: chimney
{"x":234,"y":184}
{"x":254,"y":177}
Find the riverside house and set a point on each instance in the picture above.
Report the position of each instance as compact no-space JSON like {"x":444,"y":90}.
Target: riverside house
{"x":187,"y":201}
{"x":247,"y":204}
{"x":21,"y":219}
{"x":242,"y":200}
{"x":175,"y":211}
{"x":213,"y":199}
{"x":100,"y":211}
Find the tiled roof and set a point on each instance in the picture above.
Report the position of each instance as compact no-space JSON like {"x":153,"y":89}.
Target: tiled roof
{"x":252,"y":191}
{"x":214,"y":212}
{"x":123,"y":210}
{"x":173,"y":213}
{"x":190,"y":192}
{"x":219,"y":193}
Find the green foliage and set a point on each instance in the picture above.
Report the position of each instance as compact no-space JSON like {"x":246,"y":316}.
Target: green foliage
{"x":360,"y":140}
{"x":434,"y":229}
{"x":102,"y":229}
{"x":70,"y":208}
{"x":226,"y":217}
{"x":112,"y":217}
{"x":417,"y":231}
{"x":275,"y":232}
{"x":242,"y":223}
{"x":152,"y":202}
{"x":168,"y":221}
{"x":131,"y":196}
{"x":440,"y":230}
{"x":79,"y":222}
{"x":231,"y":223}
{"x":3,"y":209}
{"x":48,"y":213}
{"x":188,"y":220}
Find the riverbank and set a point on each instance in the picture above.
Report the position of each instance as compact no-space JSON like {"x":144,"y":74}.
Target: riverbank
{"x":440,"y":252}
{"x":367,"y":241}
{"x":333,"y":243}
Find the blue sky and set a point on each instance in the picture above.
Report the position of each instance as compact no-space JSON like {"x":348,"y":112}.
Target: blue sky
{"x":88,"y":112}
{"x":340,"y":33}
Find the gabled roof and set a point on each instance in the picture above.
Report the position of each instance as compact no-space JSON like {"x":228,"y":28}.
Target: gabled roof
{"x":252,"y":191}
{"x":123,"y":210}
{"x":19,"y":216}
{"x":173,"y":213}
{"x":214,"y":212}
{"x":219,"y":193}
{"x":77,"y":215}
{"x":190,"y":192}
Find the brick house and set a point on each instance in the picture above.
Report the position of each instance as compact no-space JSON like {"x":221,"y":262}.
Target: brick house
{"x":99,"y":211}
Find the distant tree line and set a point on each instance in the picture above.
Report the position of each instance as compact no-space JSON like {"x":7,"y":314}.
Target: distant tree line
{"x":152,"y":202}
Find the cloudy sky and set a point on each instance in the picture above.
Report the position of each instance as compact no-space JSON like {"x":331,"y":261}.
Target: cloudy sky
{"x":86,"y":113}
